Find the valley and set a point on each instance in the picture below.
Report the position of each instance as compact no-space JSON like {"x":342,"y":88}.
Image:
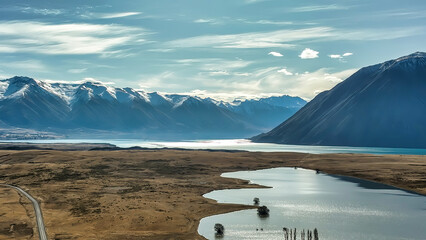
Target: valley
{"x":157,"y":194}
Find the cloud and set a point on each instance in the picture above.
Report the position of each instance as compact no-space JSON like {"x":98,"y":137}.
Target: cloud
{"x":280,"y":38}
{"x":95,"y":15}
{"x":90,"y":79}
{"x":202,"y":20}
{"x":256,"y":82}
{"x":286,"y":72}
{"x":77,"y":70}
{"x":219,"y":73}
{"x":209,"y":21}
{"x":275,"y":54}
{"x":5,"y":76}
{"x":161,"y":50}
{"x":254,"y":1}
{"x":306,"y":85}
{"x":84,"y":80}
{"x":42,"y":11}
{"x":214,"y":64}
{"x":338,"y":56}
{"x":308,"y":54}
{"x":26,"y":65}
{"x":119,"y":15}
{"x":267,"y":22}
{"x":319,"y":8}
{"x":287,"y":38}
{"x":157,"y":82}
{"x":67,"y":39}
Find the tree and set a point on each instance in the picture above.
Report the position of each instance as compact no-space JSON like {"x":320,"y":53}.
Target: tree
{"x":219,"y":229}
{"x":263,"y":211}
{"x":256,"y":201}
{"x":316,"y":234}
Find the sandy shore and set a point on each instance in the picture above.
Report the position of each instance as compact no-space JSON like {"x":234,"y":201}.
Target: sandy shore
{"x":156,"y":194}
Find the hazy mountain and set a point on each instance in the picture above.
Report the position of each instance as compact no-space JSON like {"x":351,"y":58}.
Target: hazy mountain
{"x":267,"y":112}
{"x":382,"y":105}
{"x":89,"y":107}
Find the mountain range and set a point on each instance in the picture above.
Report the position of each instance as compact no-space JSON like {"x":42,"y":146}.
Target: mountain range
{"x":93,"y":109}
{"x":383,"y":105}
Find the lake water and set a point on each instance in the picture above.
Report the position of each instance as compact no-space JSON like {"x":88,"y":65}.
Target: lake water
{"x":341,"y":208}
{"x":238,"y":144}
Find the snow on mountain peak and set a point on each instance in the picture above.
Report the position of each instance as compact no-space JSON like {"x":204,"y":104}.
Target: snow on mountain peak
{"x":16,"y":87}
{"x":157,"y":99}
{"x":3,"y":87}
{"x":83,"y":92}
{"x":407,"y":63}
{"x":88,"y":90}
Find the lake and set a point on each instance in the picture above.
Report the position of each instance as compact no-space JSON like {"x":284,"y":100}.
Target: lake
{"x":339,"y":207}
{"x":238,"y":144}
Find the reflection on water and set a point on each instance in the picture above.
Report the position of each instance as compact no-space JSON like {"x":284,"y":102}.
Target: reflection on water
{"x":339,"y":207}
{"x":239,"y":144}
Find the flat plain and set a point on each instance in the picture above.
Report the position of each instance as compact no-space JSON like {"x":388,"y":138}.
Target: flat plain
{"x":156,"y":194}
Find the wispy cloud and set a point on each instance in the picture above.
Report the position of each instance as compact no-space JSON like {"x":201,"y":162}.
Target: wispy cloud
{"x":117,"y":15}
{"x":209,"y":21}
{"x":288,"y":37}
{"x":77,"y":70}
{"x":25,"y":65}
{"x":401,"y":13}
{"x":308,"y":85}
{"x":255,"y":82}
{"x":161,"y":50}
{"x":253,"y":1}
{"x":217,"y":65}
{"x":281,"y":39}
{"x":228,"y":20}
{"x":219,"y":73}
{"x":64,"y":39}
{"x":275,"y":54}
{"x":84,"y":80}
{"x":269,"y":22}
{"x":266,"y":22}
{"x":315,"y":8}
{"x":308,"y":54}
{"x":42,"y":11}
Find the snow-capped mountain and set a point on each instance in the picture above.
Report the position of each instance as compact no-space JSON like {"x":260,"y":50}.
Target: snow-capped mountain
{"x":59,"y":107}
{"x":382,"y":105}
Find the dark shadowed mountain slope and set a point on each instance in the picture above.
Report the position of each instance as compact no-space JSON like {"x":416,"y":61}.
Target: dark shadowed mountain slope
{"x":382,"y":105}
{"x":27,"y":103}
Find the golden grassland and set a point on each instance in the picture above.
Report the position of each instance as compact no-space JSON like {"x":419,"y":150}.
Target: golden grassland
{"x":156,"y":194}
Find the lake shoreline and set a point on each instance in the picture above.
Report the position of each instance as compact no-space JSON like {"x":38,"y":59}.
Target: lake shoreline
{"x":146,"y":192}
{"x":246,"y":219}
{"x":202,"y":145}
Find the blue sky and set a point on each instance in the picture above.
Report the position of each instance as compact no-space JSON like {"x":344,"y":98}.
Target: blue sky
{"x":221,"y":48}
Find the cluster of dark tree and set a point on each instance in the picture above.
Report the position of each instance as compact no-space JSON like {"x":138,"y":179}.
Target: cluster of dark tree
{"x":263,"y":211}
{"x":219,"y":229}
{"x":291,"y":234}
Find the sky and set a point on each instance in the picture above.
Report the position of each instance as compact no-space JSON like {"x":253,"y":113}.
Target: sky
{"x":223,"y":48}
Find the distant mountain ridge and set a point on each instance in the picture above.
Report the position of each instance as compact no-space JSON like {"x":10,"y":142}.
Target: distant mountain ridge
{"x":383,"y":105}
{"x":66,"y":107}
